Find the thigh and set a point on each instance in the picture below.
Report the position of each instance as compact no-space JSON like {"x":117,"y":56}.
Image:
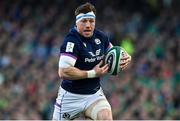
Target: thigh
{"x":68,"y":106}
{"x":98,"y":107}
{"x":99,"y":110}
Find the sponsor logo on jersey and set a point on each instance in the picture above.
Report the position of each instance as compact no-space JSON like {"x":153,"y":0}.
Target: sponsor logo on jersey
{"x":92,"y":54}
{"x":69,"y":47}
{"x":90,"y":60}
{"x":96,"y":54}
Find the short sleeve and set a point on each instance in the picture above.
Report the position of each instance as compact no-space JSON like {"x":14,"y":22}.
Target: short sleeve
{"x":68,"y":52}
{"x":70,"y":47}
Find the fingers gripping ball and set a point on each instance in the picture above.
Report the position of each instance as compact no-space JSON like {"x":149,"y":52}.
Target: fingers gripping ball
{"x":113,"y":58}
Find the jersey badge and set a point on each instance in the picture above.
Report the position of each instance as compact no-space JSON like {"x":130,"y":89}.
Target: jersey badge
{"x":97,"y":41}
{"x":69,"y":47}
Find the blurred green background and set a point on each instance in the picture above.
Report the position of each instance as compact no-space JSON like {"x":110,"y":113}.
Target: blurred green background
{"x":31,"y":32}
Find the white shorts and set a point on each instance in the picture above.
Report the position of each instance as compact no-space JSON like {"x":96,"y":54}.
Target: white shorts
{"x":69,"y":105}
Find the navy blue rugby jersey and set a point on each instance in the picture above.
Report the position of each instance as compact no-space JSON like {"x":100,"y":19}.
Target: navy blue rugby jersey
{"x":88,"y":52}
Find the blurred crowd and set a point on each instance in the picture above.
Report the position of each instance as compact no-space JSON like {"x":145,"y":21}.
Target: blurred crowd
{"x":32,"y":31}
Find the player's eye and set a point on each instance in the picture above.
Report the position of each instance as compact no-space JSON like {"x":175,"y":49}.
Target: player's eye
{"x":91,"y":21}
{"x":84,"y":21}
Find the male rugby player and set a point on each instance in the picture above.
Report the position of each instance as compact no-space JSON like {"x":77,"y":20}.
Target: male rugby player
{"x":80,"y":68}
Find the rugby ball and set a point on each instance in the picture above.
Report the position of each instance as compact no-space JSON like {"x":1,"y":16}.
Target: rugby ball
{"x":113,"y":58}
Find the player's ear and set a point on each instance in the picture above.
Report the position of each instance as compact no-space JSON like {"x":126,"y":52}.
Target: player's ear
{"x":76,"y":25}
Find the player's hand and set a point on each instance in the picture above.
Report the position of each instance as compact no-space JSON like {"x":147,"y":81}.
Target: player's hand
{"x":101,"y":70}
{"x":125,"y":60}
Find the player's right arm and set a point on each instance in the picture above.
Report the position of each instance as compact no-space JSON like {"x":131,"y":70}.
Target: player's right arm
{"x":73,"y":73}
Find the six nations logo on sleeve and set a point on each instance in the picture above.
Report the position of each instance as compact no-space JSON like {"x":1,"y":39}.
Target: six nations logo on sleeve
{"x":69,"y":47}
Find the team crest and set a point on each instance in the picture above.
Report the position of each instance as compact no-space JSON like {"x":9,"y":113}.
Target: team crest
{"x":97,"y":41}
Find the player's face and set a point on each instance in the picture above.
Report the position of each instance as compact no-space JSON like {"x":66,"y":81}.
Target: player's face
{"x":86,"y":27}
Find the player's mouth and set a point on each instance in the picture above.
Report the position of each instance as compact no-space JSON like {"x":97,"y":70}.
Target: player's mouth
{"x":87,"y":30}
{"x":87,"y":33}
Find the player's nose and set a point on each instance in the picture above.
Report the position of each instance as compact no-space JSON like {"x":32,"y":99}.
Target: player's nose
{"x":87,"y":24}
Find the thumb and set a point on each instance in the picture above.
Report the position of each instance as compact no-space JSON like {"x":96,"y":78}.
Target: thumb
{"x":100,"y":63}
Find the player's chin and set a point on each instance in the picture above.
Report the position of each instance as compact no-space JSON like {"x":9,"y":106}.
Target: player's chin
{"x":87,"y":34}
